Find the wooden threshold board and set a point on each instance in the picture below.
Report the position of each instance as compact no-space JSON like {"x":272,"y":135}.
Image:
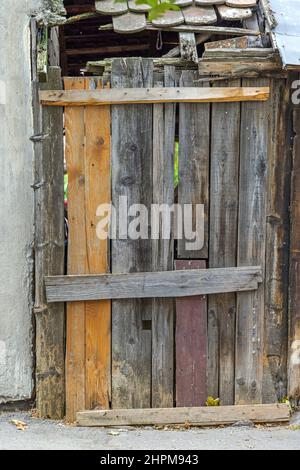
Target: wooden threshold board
{"x":152,"y":95}
{"x":202,"y":416}
{"x":152,"y":285}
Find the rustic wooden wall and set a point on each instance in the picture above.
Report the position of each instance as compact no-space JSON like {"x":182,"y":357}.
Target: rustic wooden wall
{"x":236,"y":159}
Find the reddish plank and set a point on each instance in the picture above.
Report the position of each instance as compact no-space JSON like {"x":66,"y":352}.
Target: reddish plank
{"x":191,"y":344}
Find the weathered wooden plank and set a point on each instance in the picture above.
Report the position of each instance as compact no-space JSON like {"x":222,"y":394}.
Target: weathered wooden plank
{"x":97,"y":314}
{"x":196,"y":15}
{"x":242,"y":42}
{"x":205,"y":416}
{"x":251,"y":248}
{"x":130,"y":23}
{"x":143,"y":285}
{"x":132,"y":177}
{"x":164,"y":123}
{"x":75,"y":345}
{"x":191,"y":345}
{"x":224,"y":190}
{"x":49,"y":256}
{"x":224,"y":31}
{"x":240,"y":67}
{"x":234,"y":14}
{"x":249,"y":53}
{"x":188,"y":47}
{"x":152,"y":95}
{"x":277,"y":244}
{"x":294,"y":310}
{"x":194,"y":146}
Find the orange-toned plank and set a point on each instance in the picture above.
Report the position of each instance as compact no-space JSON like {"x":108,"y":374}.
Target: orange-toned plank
{"x":97,"y":191}
{"x":75,"y":349}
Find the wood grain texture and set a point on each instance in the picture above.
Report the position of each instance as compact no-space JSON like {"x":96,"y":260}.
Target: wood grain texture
{"x":205,"y":416}
{"x":277,"y":244}
{"x":164,"y":123}
{"x":88,"y":358}
{"x":188,"y":47}
{"x":132,"y":177}
{"x":97,"y":314}
{"x":224,"y":191}
{"x":77,"y":262}
{"x":251,"y":248}
{"x":49,"y":256}
{"x":194,"y":147}
{"x":240,"y":67}
{"x":150,"y":95}
{"x":294,"y":310}
{"x":152,"y":284}
{"x":191,"y":345}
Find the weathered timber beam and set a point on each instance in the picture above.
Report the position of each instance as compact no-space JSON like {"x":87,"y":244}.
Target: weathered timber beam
{"x":196,"y":29}
{"x":152,"y":95}
{"x":202,"y":416}
{"x":107,"y":49}
{"x":150,"y":285}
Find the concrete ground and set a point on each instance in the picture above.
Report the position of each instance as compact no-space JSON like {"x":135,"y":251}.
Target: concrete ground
{"x":51,"y":435}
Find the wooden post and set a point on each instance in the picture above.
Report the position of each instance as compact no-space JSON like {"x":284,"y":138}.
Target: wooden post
{"x":277,"y":243}
{"x":49,"y":255}
{"x":294,"y":307}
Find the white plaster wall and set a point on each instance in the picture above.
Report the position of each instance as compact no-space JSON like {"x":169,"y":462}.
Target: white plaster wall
{"x":16,"y":201}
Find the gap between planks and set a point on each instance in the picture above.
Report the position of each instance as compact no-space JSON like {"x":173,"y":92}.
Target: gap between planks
{"x":153,"y":95}
{"x":198,"y":416}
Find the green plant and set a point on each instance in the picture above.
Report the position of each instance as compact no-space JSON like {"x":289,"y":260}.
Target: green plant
{"x":211,"y":401}
{"x":157,"y":8}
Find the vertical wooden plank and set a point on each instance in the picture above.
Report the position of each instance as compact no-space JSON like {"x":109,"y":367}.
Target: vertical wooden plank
{"x":131,"y":177}
{"x":294,"y":305}
{"x":164,"y":122}
{"x":191,"y":345}
{"x":224,"y":190}
{"x":49,"y":254}
{"x":194,"y":146}
{"x":251,"y":246}
{"x":97,"y":191}
{"x":277,"y":247}
{"x":77,"y":260}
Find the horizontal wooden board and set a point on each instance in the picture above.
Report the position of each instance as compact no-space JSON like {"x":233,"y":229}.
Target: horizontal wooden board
{"x":152,"y":95}
{"x":202,"y":416}
{"x":150,"y":285}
